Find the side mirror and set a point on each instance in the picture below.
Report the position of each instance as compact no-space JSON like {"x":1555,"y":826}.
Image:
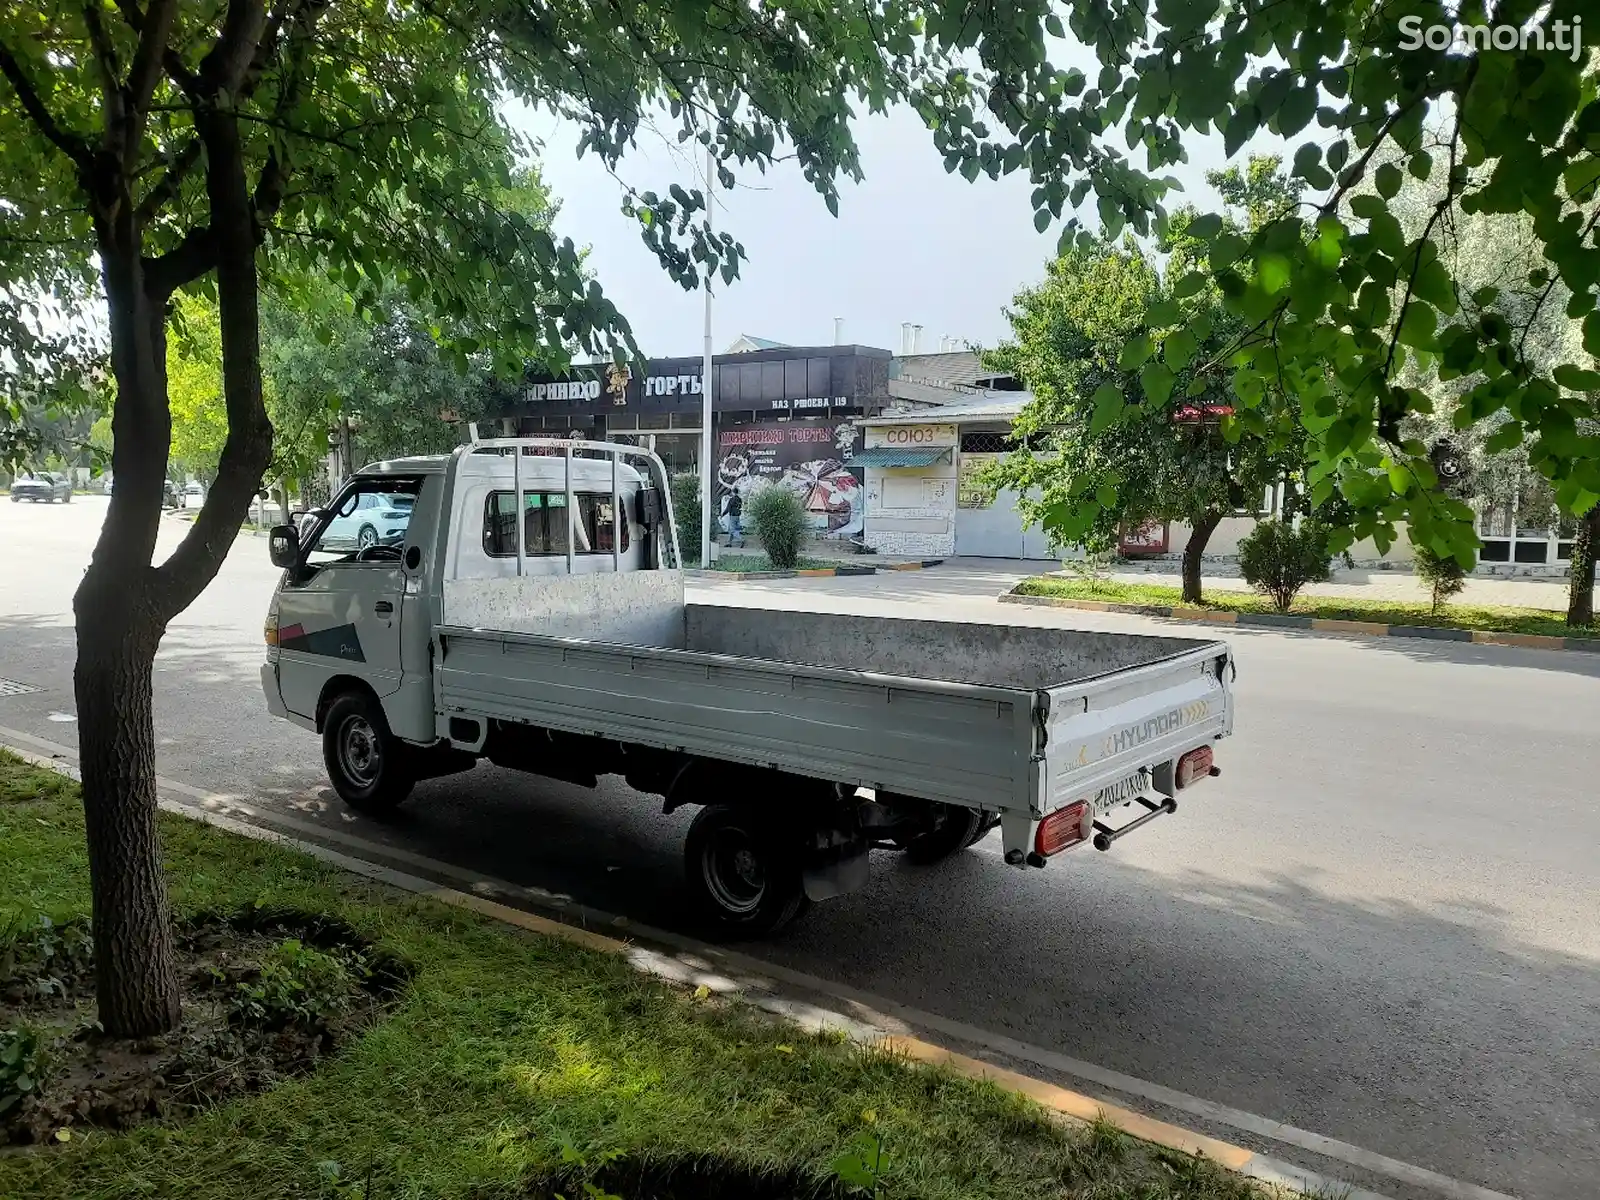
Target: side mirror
{"x":649,"y":507}
{"x":283,"y":545}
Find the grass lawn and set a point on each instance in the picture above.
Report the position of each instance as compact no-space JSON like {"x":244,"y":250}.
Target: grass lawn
{"x":760,"y":562}
{"x":1387,"y":612}
{"x":512,"y":1050}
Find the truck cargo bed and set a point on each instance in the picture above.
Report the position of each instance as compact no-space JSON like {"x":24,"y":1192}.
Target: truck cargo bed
{"x":1008,"y":656}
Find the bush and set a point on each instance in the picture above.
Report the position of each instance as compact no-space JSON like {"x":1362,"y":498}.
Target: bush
{"x":1278,"y":560}
{"x":779,"y":520}
{"x":1444,"y":576}
{"x":686,"y":507}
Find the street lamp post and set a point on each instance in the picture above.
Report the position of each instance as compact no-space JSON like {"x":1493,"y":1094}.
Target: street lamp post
{"x":707,"y":490}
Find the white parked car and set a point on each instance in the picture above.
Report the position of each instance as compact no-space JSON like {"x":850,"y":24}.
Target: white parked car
{"x":367,"y":519}
{"x":194,"y":495}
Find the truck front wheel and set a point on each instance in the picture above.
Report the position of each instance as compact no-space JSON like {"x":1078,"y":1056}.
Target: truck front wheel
{"x":368,"y":766}
{"x":743,"y":875}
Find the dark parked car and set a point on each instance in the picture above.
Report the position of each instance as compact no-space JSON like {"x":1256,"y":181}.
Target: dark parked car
{"x":41,"y":485}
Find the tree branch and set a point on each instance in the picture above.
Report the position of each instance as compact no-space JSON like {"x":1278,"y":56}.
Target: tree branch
{"x":187,"y":261}
{"x":105,"y":55}
{"x":224,"y":66}
{"x":166,"y":188}
{"x":170,"y":62}
{"x":71,"y":144}
{"x":148,"y":62}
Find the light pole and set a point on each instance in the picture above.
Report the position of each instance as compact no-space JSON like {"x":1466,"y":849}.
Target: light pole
{"x":707,"y":491}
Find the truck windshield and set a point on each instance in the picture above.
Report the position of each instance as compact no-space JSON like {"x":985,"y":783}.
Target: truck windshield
{"x":367,"y":523}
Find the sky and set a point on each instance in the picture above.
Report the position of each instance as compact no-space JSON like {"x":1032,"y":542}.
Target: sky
{"x":911,"y":243}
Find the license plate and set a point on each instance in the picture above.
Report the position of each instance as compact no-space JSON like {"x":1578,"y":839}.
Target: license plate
{"x":1121,"y":792}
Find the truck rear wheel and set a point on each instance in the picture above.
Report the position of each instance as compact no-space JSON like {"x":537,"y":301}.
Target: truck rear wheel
{"x":743,"y":875}
{"x":950,"y":828}
{"x":369,"y":767}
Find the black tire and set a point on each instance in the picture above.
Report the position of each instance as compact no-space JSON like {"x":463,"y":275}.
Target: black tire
{"x":986,"y":826}
{"x":953,"y":828}
{"x":367,"y":538}
{"x":67,"y":499}
{"x":743,"y":874}
{"x":370,"y":768}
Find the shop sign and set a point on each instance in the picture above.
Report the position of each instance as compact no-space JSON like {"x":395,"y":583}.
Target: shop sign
{"x":806,"y":458}
{"x":905,"y":437}
{"x":1147,"y":539}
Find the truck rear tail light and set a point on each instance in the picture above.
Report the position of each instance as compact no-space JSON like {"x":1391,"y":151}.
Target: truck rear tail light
{"x":1064,"y":828}
{"x":1195,"y":766}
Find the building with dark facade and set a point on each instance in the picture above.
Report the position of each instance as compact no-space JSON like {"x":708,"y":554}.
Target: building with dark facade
{"x":780,"y":414}
{"x":660,"y":401}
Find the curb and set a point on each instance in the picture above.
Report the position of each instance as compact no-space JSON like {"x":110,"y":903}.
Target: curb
{"x":817,"y":573}
{"x":1323,"y":625}
{"x":684,"y":970}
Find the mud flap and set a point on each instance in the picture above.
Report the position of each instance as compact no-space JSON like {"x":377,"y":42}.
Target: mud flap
{"x":824,"y":881}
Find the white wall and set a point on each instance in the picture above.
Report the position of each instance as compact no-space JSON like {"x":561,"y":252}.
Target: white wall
{"x":911,"y":511}
{"x":1231,"y":531}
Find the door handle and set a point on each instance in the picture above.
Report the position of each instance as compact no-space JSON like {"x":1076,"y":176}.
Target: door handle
{"x":383,"y":608}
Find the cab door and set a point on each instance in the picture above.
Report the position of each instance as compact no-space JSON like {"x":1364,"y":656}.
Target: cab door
{"x":340,"y":608}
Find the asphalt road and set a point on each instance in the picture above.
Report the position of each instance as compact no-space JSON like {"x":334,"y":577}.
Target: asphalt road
{"x":1379,"y":924}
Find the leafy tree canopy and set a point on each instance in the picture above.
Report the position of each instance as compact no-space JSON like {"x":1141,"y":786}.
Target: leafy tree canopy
{"x":1336,"y":298}
{"x":1083,"y":342}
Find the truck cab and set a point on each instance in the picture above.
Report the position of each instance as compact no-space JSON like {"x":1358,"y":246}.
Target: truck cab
{"x":358,"y":599}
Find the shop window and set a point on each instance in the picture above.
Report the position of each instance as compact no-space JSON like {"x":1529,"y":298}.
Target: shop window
{"x":544,"y":529}
{"x":985,"y":442}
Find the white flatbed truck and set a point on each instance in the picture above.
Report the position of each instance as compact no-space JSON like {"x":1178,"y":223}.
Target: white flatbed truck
{"x":560,"y":644}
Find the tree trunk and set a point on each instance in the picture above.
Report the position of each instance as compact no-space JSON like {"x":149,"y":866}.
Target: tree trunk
{"x":1194,"y":551}
{"x":118,"y":630}
{"x":1580,"y":596}
{"x":135,"y":968}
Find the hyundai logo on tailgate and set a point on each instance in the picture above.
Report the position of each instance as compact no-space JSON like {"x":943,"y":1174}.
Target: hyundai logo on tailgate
{"x":1138,"y":735}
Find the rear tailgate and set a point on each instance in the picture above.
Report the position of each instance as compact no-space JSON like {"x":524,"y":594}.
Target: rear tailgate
{"x":1101,"y":731}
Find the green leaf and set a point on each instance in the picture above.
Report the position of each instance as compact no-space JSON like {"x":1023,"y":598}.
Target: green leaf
{"x":1163,"y":313}
{"x":1226,"y":250}
{"x":1299,"y":106}
{"x":1178,"y":349}
{"x":1421,"y":165}
{"x":1581,"y":178}
{"x":1507,"y":437}
{"x":1108,"y":406}
{"x":1206,"y":226}
{"x":1106,"y":496}
{"x":1576,"y":379}
{"x":1052,"y":24}
{"x":1136,"y":352}
{"x":1041,"y":220}
{"x":1485,"y":296}
{"x":1189,"y":285}
{"x":1368,"y":206}
{"x":1387,"y":180}
{"x":1157,"y":380}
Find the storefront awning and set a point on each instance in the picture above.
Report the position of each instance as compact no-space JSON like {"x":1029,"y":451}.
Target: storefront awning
{"x":899,"y":458}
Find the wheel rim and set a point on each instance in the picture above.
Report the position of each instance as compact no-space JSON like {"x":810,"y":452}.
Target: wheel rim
{"x":367,"y":538}
{"x":734,"y":872}
{"x":360,"y":753}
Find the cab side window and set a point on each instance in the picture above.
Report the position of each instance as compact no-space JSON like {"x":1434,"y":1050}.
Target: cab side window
{"x":545,"y":527}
